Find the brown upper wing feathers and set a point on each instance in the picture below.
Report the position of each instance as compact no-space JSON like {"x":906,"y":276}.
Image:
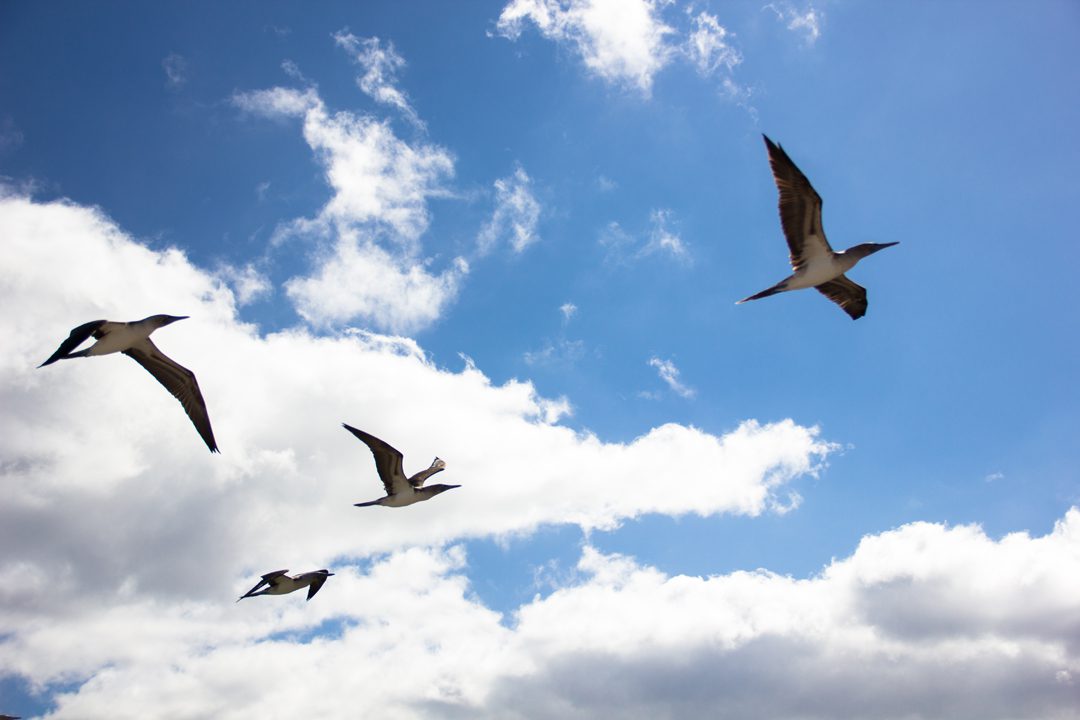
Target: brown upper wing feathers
{"x":179,"y":381}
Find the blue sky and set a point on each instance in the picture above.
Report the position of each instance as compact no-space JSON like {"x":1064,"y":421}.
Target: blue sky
{"x":511,"y":234}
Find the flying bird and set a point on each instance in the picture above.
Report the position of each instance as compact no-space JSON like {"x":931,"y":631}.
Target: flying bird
{"x":400,"y":491}
{"x":133,"y":339}
{"x":815,"y":263}
{"x":278,"y":583}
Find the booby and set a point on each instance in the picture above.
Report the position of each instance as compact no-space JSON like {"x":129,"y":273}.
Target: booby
{"x":815,"y":263}
{"x":133,"y":339}
{"x":278,"y":583}
{"x":400,"y":491}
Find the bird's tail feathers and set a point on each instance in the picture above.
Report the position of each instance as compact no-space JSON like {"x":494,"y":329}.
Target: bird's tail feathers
{"x":777,"y":288}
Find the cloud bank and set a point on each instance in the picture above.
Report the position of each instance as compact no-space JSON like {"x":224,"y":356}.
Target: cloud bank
{"x":120,"y":530}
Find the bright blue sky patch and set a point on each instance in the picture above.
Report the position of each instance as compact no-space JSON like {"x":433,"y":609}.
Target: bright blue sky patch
{"x":511,"y":234}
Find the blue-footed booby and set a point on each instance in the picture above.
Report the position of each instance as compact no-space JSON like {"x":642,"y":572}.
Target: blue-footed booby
{"x":278,"y":583}
{"x":133,"y":339}
{"x":400,"y":491}
{"x":815,"y":263}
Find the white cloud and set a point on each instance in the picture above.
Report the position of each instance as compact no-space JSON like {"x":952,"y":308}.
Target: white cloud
{"x":556,"y":352}
{"x":361,"y":279}
{"x":807,"y":21}
{"x":622,"y":247}
{"x":176,"y":70}
{"x":381,"y":185}
{"x":276,"y":402}
{"x":620,"y":40}
{"x":516,"y":214}
{"x":248,"y":283}
{"x":708,"y":46}
{"x":10,"y":135}
{"x":381,"y":65}
{"x":670,"y":375}
{"x":568,"y":310}
{"x":663,"y":239}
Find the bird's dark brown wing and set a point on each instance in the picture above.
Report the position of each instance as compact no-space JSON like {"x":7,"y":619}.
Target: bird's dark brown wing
{"x":315,"y":586}
{"x":850,"y":296}
{"x":387,"y":461}
{"x":178,"y":380}
{"x":74,"y":340}
{"x":800,"y":207}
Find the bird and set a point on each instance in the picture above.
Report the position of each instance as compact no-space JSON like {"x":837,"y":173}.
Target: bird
{"x":400,"y":491}
{"x":133,"y":340}
{"x":278,"y":583}
{"x":815,"y":263}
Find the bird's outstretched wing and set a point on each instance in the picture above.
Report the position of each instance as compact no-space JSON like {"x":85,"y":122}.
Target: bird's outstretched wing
{"x":178,"y":380}
{"x":76,"y":338}
{"x":418,"y":480}
{"x":387,"y":461}
{"x":800,"y":208}
{"x":850,"y":296}
{"x":314,"y":587}
{"x":267,"y":579}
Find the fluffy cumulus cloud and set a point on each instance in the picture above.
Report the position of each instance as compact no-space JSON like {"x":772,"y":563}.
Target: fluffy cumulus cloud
{"x":628,"y":42}
{"x":516,"y":214}
{"x":620,"y":40}
{"x":369,"y":262}
{"x":119,"y":529}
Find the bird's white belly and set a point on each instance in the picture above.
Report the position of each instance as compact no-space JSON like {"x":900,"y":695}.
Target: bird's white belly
{"x":814,"y":273}
{"x":118,"y":339}
{"x":400,"y":499}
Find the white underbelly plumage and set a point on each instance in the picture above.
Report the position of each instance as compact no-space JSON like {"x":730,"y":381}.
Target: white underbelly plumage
{"x":815,"y":272}
{"x":118,"y":338}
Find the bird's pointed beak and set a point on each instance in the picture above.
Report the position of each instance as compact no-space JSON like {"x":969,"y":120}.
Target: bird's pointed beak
{"x":882,"y":246}
{"x":174,"y":318}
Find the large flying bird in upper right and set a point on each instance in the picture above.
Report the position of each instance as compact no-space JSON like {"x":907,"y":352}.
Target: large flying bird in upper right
{"x":814,"y":262}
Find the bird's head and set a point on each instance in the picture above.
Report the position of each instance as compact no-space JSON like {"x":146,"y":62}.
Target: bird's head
{"x":861,"y":251}
{"x":436,"y":489}
{"x":163,"y":320}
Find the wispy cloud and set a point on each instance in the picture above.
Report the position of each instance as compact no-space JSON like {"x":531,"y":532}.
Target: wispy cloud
{"x":176,"y":70}
{"x":670,"y":375}
{"x":381,"y":65}
{"x":660,"y":239}
{"x":807,"y":21}
{"x":568,"y":310}
{"x":556,"y":352}
{"x":622,"y":41}
{"x":11,"y":136}
{"x":516,"y":214}
{"x":708,"y":46}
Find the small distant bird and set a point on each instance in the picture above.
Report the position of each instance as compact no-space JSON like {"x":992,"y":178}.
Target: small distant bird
{"x":278,"y":583}
{"x":133,"y":339}
{"x":400,"y":491}
{"x":815,"y":263}
{"x":10,"y":717}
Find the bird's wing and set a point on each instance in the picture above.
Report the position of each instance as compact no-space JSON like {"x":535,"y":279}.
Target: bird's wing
{"x":178,"y":380}
{"x":74,"y":340}
{"x":418,"y":480}
{"x":318,"y":583}
{"x":800,"y":208}
{"x":387,"y":461}
{"x":267,"y":579}
{"x":850,"y":296}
